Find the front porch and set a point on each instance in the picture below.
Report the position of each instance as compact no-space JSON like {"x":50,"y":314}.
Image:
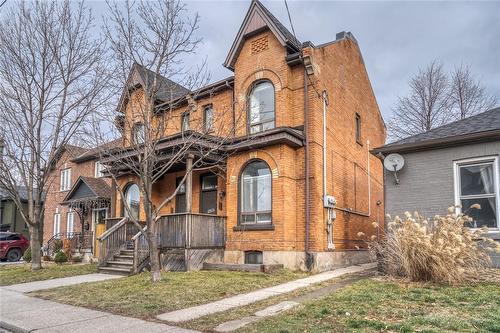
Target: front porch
{"x":185,"y":241}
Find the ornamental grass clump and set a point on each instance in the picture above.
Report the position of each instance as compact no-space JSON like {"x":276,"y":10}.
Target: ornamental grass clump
{"x":442,"y":250}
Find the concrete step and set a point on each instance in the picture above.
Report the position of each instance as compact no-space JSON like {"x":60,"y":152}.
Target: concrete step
{"x":127,"y":252}
{"x":115,"y":270}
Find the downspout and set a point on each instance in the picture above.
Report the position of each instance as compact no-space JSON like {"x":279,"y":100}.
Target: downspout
{"x":325,"y":103}
{"x":309,"y":259}
{"x":369,"y":180}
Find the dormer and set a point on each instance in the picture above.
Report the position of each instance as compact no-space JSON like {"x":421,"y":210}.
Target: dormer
{"x":257,"y":20}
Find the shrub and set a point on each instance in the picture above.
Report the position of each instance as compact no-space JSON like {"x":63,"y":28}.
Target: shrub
{"x":27,"y":254}
{"x":442,"y":250}
{"x":58,"y":245}
{"x":60,"y":257}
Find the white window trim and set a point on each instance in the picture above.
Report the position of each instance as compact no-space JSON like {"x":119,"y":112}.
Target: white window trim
{"x":57,"y":223}
{"x":456,"y":185}
{"x":93,"y":215}
{"x":65,"y":180}
{"x":98,"y":168}
{"x":72,"y":214}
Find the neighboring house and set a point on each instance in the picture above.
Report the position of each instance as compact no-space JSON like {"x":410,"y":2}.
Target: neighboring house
{"x":10,"y":216}
{"x":455,"y":164}
{"x":270,"y":197}
{"x":78,"y":197}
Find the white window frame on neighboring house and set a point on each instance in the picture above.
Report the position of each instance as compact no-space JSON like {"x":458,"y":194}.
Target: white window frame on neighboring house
{"x":98,"y":169}
{"x":70,"y":222}
{"x":493,"y":159}
{"x":65,"y":179}
{"x":57,"y":223}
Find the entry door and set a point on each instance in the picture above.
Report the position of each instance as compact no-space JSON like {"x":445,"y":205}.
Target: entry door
{"x":208,"y":200}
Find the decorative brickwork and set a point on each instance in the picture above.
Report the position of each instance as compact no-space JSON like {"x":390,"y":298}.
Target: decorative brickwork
{"x":260,"y":44}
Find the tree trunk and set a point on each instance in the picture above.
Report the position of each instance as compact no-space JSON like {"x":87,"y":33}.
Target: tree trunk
{"x":36,"y":246}
{"x":153,"y":253}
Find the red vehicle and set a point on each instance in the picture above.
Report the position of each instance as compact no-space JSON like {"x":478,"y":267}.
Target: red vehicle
{"x":12,"y":245}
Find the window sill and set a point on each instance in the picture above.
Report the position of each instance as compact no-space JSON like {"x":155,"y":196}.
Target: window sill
{"x":254,"y":227}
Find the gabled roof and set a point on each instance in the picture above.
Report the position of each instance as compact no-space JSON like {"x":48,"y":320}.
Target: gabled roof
{"x":93,"y":153}
{"x":167,"y":90}
{"x":89,"y":188}
{"x":257,"y":18}
{"x":481,"y":127}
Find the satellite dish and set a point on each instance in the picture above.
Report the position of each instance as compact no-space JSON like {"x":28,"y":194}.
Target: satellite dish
{"x":394,"y":163}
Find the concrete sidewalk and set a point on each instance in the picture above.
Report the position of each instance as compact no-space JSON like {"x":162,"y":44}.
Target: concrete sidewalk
{"x":256,"y":296}
{"x":21,"y":313}
{"x":60,"y":282}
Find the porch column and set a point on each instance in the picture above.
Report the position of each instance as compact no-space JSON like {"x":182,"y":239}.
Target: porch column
{"x":189,"y":183}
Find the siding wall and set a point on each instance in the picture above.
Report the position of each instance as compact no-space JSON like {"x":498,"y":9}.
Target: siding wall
{"x":426,"y":180}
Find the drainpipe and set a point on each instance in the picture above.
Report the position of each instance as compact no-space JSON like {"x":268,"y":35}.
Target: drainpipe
{"x":325,"y":103}
{"x":309,"y":259}
{"x":369,"y":179}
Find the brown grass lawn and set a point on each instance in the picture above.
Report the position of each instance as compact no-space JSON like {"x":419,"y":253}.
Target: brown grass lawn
{"x":137,"y":296}
{"x":14,"y":274}
{"x":387,"y":306}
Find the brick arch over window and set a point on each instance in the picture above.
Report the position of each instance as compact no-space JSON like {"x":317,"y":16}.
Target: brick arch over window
{"x":255,"y":193}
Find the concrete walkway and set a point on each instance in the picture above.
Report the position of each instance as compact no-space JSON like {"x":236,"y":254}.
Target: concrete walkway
{"x":256,"y":296}
{"x":60,"y":282}
{"x":20,"y":313}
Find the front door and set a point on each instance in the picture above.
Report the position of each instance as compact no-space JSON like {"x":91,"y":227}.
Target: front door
{"x":208,"y":199}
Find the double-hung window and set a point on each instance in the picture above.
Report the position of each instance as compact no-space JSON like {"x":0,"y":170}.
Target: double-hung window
{"x":57,"y":223}
{"x":65,"y":180}
{"x":185,"y":122}
{"x":99,"y":169}
{"x":208,"y":118}
{"x":70,"y":226}
{"x":477,"y":183}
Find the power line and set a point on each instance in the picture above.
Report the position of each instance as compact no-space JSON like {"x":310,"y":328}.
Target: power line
{"x":289,"y":19}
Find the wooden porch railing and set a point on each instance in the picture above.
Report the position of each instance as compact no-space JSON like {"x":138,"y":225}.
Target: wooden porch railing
{"x":192,"y":231}
{"x":141,"y":250}
{"x":114,"y":239}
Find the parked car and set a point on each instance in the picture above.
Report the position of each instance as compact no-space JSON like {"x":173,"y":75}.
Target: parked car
{"x":12,"y":245}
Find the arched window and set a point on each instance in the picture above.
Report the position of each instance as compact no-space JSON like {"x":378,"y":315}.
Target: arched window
{"x":261,"y":108}
{"x":132,"y":196}
{"x":256,"y":193}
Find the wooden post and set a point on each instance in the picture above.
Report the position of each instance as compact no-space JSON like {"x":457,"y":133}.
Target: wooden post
{"x":189,"y":184}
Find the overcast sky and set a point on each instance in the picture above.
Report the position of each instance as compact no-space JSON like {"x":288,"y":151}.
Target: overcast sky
{"x":396,"y":38}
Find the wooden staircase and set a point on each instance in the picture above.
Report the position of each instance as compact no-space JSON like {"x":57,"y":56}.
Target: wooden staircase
{"x":123,"y":250}
{"x":121,"y":263}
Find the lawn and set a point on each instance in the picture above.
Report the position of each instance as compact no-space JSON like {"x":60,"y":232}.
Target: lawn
{"x":381,"y":306}
{"x":23,"y":273}
{"x":137,"y":296}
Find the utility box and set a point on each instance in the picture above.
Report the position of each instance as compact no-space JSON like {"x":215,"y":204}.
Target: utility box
{"x":329,"y":201}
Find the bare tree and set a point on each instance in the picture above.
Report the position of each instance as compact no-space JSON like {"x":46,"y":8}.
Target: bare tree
{"x":50,"y":81}
{"x":426,"y":106}
{"x":154,"y":40}
{"x":468,"y":96}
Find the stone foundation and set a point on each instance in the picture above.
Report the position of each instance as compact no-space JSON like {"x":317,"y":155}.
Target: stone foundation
{"x":322,"y":261}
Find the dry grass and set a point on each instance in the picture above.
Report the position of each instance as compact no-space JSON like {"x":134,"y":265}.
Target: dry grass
{"x":441,"y":250}
{"x":22,"y":273}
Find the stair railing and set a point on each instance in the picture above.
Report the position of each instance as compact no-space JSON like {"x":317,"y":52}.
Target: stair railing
{"x":141,"y":250}
{"x":112,"y":241}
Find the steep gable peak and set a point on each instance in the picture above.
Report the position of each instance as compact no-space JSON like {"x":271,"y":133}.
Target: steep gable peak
{"x":257,"y":19}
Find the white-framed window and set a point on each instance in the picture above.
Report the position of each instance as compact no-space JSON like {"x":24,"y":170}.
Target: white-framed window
{"x":477,"y":181}
{"x":65,"y":179}
{"x":99,"y":169}
{"x":98,"y":216}
{"x":208,"y":118}
{"x":185,"y":122}
{"x":57,"y":223}
{"x":70,"y":219}
{"x":139,"y":133}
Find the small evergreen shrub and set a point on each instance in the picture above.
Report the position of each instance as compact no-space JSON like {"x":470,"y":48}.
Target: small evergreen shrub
{"x":27,"y":254}
{"x":60,"y":258}
{"x":58,"y":245}
{"x":442,"y":250}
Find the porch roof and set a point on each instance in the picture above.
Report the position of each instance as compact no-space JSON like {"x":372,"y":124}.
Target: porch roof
{"x":88,"y":190}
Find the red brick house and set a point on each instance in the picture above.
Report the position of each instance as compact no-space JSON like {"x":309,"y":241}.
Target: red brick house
{"x":78,"y":198}
{"x":300,"y":184}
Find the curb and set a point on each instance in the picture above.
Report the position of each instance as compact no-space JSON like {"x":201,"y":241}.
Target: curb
{"x":12,"y":328}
